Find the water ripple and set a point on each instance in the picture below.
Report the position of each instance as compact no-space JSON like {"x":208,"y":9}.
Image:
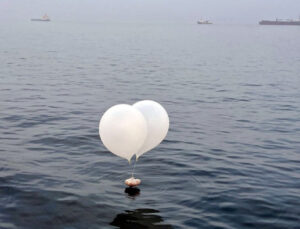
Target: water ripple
{"x":231,"y":157}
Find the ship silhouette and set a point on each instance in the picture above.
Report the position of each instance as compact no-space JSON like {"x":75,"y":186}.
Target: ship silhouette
{"x":280,"y":22}
{"x":44,"y":18}
{"x":204,"y":22}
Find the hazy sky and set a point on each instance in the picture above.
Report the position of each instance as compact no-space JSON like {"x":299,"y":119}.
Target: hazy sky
{"x":219,"y":11}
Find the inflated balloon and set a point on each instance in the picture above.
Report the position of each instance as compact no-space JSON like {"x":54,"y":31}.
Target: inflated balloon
{"x":123,"y":130}
{"x":157,"y":124}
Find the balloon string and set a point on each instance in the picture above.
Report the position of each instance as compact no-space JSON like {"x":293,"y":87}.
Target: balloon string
{"x":133,"y":169}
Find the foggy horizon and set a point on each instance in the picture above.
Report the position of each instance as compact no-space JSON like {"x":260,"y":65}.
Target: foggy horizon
{"x":219,"y":11}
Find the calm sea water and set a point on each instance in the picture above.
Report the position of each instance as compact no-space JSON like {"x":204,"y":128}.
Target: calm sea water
{"x":232,"y":155}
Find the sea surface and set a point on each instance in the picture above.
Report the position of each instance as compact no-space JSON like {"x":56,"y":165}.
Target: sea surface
{"x":231,"y":158}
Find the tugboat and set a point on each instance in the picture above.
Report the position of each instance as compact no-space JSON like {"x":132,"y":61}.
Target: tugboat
{"x":44,"y":18}
{"x":204,"y":22}
{"x":280,"y":22}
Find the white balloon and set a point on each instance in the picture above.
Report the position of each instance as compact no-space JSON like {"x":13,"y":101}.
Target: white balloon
{"x":123,"y":130}
{"x":157,"y":124}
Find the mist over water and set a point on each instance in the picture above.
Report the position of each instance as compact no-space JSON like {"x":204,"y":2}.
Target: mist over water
{"x":159,"y":11}
{"x":230,"y":160}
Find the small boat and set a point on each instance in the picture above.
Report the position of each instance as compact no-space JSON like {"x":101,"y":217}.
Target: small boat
{"x":204,"y":22}
{"x":44,"y":18}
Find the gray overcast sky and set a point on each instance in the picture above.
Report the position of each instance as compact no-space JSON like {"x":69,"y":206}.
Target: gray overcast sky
{"x":219,"y":11}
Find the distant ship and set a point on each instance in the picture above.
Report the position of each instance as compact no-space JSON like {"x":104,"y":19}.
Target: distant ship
{"x":204,"y":22}
{"x":44,"y":18}
{"x":280,"y":22}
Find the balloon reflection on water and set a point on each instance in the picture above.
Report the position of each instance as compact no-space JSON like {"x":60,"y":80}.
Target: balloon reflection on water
{"x":140,"y":218}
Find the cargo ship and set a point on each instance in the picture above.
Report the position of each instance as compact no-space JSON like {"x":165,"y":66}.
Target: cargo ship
{"x":204,"y":22}
{"x":280,"y":22}
{"x":44,"y":18}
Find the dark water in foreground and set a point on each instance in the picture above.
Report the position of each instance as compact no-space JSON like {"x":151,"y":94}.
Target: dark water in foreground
{"x":230,"y":160}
